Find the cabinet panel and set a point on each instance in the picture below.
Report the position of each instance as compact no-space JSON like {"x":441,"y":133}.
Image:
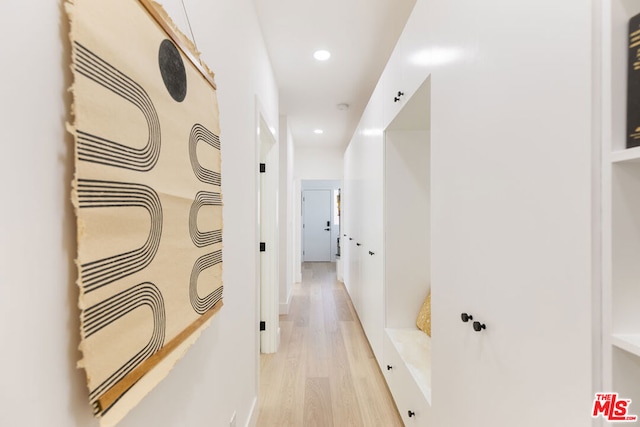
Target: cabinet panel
{"x":389,"y":86}
{"x":372,"y":242}
{"x":347,"y":220}
{"x":365,"y":230}
{"x":512,"y":217}
{"x":354,"y":259}
{"x":409,"y":64}
{"x":416,"y":57}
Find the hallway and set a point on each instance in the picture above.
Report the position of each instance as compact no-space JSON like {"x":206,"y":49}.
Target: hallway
{"x":324,"y":373}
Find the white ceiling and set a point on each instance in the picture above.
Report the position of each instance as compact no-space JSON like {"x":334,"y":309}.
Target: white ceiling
{"x":360,"y":34}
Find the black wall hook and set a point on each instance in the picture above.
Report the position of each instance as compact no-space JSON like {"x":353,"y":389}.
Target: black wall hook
{"x":466,"y":317}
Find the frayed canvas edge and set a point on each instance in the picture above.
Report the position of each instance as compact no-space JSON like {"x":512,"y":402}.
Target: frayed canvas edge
{"x":71,"y":127}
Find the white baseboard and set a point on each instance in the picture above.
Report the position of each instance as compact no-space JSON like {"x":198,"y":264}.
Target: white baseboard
{"x":284,"y":306}
{"x":252,"y":421}
{"x":278,"y":340}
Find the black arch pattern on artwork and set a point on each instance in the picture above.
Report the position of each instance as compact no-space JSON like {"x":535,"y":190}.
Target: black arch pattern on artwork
{"x":93,"y":148}
{"x":199,"y":238}
{"x":109,"y":194}
{"x":202,"y":305}
{"x":106,"y":312}
{"x":200,"y":133}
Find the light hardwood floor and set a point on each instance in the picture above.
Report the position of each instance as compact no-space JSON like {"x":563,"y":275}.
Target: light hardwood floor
{"x":324,"y":373}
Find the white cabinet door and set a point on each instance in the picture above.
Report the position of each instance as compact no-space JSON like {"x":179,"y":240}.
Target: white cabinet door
{"x":390,"y":87}
{"x":350,"y":221}
{"x":409,"y":64}
{"x":355,"y":229}
{"x":512,"y":215}
{"x":345,"y":218}
{"x":415,"y":59}
{"x":371,"y":249}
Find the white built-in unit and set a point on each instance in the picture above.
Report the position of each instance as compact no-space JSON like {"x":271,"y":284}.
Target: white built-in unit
{"x":362,"y":250}
{"x":475,"y":172}
{"x":407,"y":256}
{"x":621,"y":214}
{"x":387,"y":220}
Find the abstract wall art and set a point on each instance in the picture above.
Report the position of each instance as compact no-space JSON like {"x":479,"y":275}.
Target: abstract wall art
{"x":147,"y":194}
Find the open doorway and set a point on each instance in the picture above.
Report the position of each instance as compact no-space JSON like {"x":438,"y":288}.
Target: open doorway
{"x":320,"y":225}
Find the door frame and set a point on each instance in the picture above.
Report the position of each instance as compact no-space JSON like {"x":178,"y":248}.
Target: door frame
{"x":300,"y":187}
{"x":332,"y":253}
{"x":267,"y":287}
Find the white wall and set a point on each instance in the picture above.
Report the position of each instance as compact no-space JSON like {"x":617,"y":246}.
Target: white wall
{"x":39,"y":319}
{"x":407,"y":219}
{"x":318,"y":162}
{"x":286,"y":214}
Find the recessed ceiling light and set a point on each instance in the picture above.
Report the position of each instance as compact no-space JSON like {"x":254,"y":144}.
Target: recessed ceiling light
{"x":318,"y":131}
{"x":322,"y":55}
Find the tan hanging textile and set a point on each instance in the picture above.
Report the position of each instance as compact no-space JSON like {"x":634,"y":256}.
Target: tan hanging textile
{"x":147,"y":193}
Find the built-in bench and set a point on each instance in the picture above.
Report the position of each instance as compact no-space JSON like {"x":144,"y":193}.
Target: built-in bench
{"x":407,"y":369}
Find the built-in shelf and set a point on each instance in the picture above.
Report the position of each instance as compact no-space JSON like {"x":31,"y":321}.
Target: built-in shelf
{"x":414,"y":347}
{"x":628,"y":155}
{"x":621,"y":208}
{"x":627,"y":342}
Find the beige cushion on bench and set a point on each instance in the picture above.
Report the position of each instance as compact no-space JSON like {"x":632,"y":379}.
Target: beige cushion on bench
{"x":424,"y":316}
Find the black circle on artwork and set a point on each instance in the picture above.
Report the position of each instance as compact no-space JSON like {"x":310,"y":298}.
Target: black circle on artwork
{"x":172,"y":69}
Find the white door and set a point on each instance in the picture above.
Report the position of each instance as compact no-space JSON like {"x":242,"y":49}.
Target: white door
{"x":269,"y":290}
{"x":316,"y":225}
